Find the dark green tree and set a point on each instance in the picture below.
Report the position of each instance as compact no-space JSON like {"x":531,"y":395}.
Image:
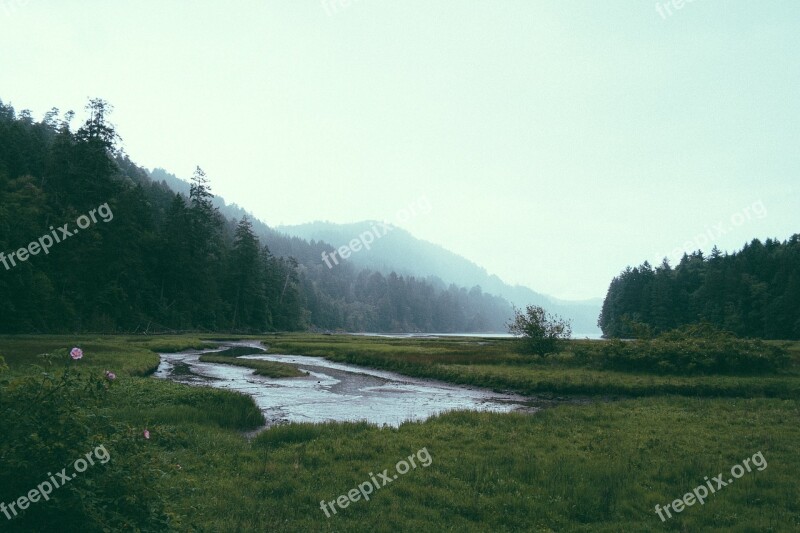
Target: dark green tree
{"x":541,"y":333}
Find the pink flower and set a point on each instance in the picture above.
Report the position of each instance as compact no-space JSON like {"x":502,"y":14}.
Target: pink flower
{"x":76,"y":353}
{"x":146,"y":434}
{"x":110,"y":376}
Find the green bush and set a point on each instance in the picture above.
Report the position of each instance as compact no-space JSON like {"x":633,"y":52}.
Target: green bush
{"x":693,"y":349}
{"x":55,"y":417}
{"x":540,"y":332}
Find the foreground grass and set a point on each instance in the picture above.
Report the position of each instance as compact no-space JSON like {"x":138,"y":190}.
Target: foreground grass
{"x":600,"y":467}
{"x":596,"y":467}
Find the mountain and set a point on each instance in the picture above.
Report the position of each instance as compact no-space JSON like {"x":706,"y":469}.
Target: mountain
{"x":400,"y":252}
{"x":336,"y":298}
{"x":149,"y":259}
{"x":397,"y":250}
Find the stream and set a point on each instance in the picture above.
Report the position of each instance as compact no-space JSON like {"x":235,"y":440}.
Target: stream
{"x":334,"y":391}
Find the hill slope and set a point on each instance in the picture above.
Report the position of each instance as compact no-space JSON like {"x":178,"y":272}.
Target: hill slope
{"x":400,"y":251}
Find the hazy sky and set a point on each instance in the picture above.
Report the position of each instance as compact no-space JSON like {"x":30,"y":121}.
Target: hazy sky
{"x":557,"y":142}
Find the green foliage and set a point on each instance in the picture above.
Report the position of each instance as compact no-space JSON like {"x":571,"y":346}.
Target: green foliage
{"x":599,"y":466}
{"x":285,"y":434}
{"x":541,"y":332}
{"x":752,"y":293}
{"x":236,"y":351}
{"x":114,"y":353}
{"x":693,"y":349}
{"x":170,"y":262}
{"x":51,"y":420}
{"x":150,"y":402}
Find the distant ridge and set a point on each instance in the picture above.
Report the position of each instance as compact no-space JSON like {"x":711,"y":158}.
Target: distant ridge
{"x":405,"y":254}
{"x":401,"y":252}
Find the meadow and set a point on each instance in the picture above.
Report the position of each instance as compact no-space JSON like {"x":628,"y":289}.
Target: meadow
{"x":602,"y":464}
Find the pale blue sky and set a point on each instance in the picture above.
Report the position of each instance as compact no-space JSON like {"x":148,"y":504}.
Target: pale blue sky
{"x":557,"y":141}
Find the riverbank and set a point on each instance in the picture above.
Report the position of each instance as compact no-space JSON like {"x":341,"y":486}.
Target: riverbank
{"x":601,"y":466}
{"x":329,"y":392}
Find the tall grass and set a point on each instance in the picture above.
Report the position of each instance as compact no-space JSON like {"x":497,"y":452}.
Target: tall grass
{"x":600,"y":467}
{"x":592,"y":467}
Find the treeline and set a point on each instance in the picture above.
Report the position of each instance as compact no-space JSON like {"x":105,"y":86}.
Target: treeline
{"x":164,"y":261}
{"x":360,"y":300}
{"x":373,"y":302}
{"x":754,"y":292}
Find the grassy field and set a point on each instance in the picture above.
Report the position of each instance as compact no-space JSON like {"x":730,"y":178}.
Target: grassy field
{"x":596,"y":466}
{"x":494,"y":364}
{"x":128,"y":356}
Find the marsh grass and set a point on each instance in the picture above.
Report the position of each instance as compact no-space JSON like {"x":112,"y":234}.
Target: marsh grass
{"x":156,"y":401}
{"x":237,"y":351}
{"x":269,"y":369}
{"x":592,"y":467}
{"x":112,"y":353}
{"x":600,"y":467}
{"x":493,"y":363}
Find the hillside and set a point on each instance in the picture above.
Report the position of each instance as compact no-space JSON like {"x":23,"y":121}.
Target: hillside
{"x":400,"y":251}
{"x":142,"y":258}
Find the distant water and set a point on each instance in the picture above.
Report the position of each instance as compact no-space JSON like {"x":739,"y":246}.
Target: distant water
{"x":423,"y":335}
{"x":592,"y":336}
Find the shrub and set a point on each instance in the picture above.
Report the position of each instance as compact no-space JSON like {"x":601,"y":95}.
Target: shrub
{"x":540,"y":332}
{"x":55,"y":418}
{"x":692,"y":349}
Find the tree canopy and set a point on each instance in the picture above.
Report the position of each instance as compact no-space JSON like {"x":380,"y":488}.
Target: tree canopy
{"x":754,"y":292}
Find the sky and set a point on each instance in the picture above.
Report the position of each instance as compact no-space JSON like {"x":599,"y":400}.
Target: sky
{"x":557,"y":141}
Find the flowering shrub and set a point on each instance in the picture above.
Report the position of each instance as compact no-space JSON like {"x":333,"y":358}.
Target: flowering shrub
{"x":51,"y":418}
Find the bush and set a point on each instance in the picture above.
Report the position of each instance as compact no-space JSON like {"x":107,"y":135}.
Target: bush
{"x":692,"y":349}
{"x":541,"y":332}
{"x":53,"y":419}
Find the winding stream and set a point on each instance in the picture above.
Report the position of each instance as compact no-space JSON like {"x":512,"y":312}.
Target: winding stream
{"x":334,"y":391}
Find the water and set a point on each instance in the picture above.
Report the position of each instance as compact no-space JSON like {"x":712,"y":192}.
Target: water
{"x":335,"y":391}
{"x":434,"y":335}
{"x":591,"y":336}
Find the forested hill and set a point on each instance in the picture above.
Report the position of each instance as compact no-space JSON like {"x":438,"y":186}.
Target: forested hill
{"x":340,"y":306}
{"x":754,"y":292}
{"x":90,"y":243}
{"x":400,"y":251}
